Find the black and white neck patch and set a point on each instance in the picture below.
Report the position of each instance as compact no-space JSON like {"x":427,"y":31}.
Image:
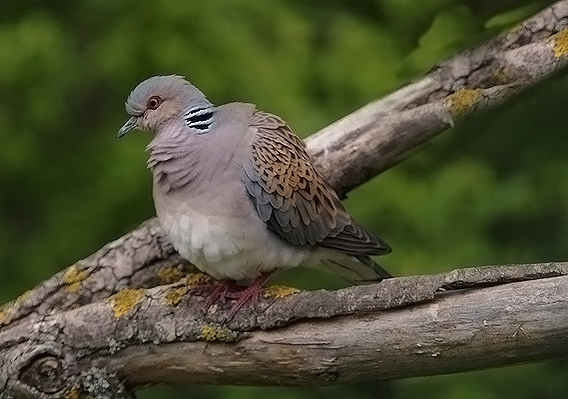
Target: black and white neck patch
{"x":200,"y":118}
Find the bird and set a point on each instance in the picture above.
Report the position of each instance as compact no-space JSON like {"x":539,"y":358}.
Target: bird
{"x":238,"y":195}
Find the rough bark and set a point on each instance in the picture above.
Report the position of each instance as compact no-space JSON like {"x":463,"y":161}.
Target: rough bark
{"x":403,"y":327}
{"x":127,"y":315}
{"x":383,"y":133}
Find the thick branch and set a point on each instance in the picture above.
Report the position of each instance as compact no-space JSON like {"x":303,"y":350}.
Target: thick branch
{"x":461,"y":320}
{"x":65,"y":328}
{"x":455,"y":332}
{"x":382,"y":133}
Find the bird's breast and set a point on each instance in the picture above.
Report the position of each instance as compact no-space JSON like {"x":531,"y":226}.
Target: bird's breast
{"x":225,"y":241}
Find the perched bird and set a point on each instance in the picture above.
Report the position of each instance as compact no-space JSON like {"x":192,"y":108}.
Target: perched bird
{"x":238,"y":195}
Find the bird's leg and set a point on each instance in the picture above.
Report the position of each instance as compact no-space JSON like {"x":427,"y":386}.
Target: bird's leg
{"x":229,"y":289}
{"x":249,"y":294}
{"x":221,"y":289}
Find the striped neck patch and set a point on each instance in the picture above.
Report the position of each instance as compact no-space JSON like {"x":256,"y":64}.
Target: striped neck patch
{"x":200,"y":118}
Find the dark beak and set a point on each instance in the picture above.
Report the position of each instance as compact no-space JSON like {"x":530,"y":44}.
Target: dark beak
{"x":128,"y":126}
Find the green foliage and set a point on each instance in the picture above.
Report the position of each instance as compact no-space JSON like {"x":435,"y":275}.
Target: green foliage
{"x":451,"y":30}
{"x":493,"y":190}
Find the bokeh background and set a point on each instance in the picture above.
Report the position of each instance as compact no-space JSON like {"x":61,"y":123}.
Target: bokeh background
{"x":492,"y":190}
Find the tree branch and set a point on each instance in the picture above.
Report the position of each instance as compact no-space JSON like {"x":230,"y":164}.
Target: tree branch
{"x":115,"y":320}
{"x":383,"y":133}
{"x":402,"y":327}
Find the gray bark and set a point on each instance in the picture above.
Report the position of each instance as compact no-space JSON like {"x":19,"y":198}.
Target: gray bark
{"x":402,"y":327}
{"x":128,"y":315}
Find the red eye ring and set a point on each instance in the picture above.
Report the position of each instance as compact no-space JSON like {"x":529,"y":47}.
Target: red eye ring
{"x":154,"y":102}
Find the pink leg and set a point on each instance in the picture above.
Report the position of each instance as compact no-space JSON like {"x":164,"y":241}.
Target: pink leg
{"x":220,"y":289}
{"x":249,"y":294}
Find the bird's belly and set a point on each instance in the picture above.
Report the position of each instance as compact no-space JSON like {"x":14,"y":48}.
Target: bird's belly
{"x":225,"y":249}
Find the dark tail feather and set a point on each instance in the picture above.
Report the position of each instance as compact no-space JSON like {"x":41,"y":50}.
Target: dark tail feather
{"x":357,"y":269}
{"x":378,"y":268}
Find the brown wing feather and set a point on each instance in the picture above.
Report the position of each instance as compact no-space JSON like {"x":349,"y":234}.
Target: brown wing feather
{"x":293,"y":198}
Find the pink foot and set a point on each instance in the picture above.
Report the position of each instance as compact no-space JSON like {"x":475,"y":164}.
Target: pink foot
{"x":229,"y":289}
{"x":249,"y":294}
{"x":221,"y":289}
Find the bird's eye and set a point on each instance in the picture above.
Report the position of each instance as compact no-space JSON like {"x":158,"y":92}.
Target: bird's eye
{"x":154,"y":102}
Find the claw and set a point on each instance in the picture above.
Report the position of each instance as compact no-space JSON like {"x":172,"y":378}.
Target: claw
{"x":249,"y":294}
{"x":228,"y":289}
{"x":221,"y":289}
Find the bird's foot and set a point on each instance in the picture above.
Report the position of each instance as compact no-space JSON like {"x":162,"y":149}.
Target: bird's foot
{"x":228,"y":289}
{"x":221,"y":289}
{"x":249,"y":294}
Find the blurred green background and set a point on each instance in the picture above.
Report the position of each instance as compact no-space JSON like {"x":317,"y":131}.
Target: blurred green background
{"x":492,"y":190}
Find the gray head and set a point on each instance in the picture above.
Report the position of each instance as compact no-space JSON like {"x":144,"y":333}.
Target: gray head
{"x":162,"y":99}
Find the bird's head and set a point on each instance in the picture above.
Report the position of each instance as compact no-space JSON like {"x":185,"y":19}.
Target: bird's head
{"x":162,"y":100}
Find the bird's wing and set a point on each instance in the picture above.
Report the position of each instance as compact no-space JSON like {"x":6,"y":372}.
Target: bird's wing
{"x":293,"y":198}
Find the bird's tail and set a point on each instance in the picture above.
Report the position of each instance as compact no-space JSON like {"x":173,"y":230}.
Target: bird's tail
{"x":361,"y":269}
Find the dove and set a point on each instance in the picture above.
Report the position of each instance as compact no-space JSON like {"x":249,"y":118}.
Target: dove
{"x":239,"y":197}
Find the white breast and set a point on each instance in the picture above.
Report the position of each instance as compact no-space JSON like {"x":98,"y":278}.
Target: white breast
{"x":229,"y":248}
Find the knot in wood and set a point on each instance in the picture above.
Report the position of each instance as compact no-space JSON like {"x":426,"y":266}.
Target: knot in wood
{"x":44,"y":373}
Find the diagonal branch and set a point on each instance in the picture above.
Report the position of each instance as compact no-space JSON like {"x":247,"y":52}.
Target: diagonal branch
{"x":116,"y":316}
{"x":383,"y":133}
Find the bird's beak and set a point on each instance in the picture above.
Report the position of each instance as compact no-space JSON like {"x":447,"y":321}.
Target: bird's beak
{"x":128,"y":126}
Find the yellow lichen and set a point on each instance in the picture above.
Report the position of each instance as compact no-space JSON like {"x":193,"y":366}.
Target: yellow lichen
{"x":559,"y":43}
{"x":170,"y":274}
{"x":208,"y":333}
{"x":125,"y":300}
{"x":174,"y":295}
{"x":194,"y":279}
{"x":462,"y":101}
{"x":279,"y":291}
{"x":75,"y":393}
{"x":24,"y":295}
{"x":73,"y":278}
{"x":503,"y":76}
{"x":4,"y":320}
{"x":7,"y":309}
{"x":211,"y":333}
